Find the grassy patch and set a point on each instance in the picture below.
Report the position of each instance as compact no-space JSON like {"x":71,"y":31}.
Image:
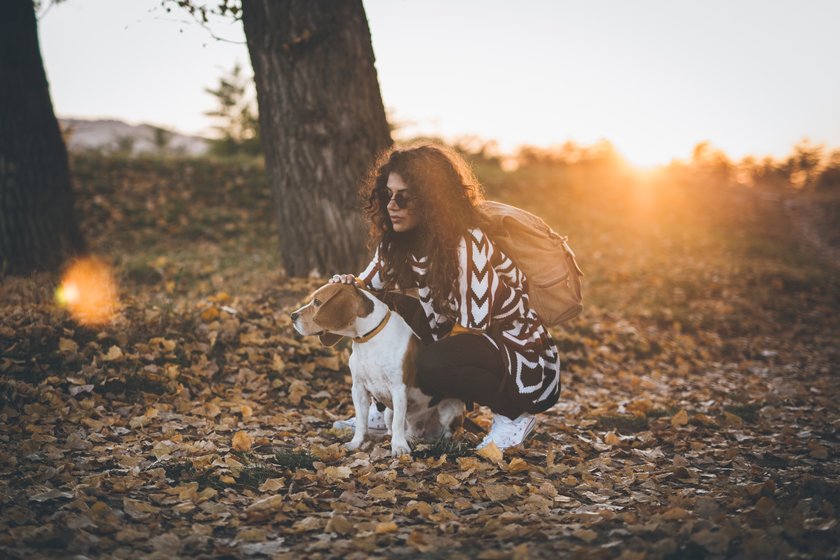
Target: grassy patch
{"x":450,"y":447}
{"x":132,"y":386}
{"x":747,"y":411}
{"x":252,"y":476}
{"x":661,"y":412}
{"x":625,"y":423}
{"x":294,"y":460}
{"x":183,"y":472}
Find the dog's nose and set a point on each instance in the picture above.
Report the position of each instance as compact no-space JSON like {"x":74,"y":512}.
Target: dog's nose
{"x":294,"y":315}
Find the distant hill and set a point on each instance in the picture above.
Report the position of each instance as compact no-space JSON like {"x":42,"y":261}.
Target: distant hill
{"x":114,"y":135}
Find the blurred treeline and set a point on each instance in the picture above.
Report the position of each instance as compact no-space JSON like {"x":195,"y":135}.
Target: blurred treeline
{"x":808,"y":166}
{"x":568,"y":166}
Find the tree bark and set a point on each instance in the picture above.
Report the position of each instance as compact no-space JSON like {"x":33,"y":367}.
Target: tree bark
{"x":322,"y":123}
{"x":37,"y":226}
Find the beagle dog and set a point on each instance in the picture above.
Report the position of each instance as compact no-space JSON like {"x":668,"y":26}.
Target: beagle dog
{"x":382,"y":364}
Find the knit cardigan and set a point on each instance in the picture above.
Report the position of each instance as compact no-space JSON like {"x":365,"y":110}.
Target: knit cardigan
{"x":491,"y":299}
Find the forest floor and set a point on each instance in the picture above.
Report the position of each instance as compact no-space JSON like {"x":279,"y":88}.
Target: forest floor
{"x":698,"y":416}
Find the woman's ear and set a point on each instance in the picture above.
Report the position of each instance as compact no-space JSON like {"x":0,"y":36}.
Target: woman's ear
{"x":330,"y":339}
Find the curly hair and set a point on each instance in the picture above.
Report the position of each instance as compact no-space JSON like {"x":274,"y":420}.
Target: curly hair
{"x":444,"y":193}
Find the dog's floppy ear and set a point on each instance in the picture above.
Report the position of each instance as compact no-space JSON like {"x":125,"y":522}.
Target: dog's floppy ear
{"x":330,"y":339}
{"x":365,"y":303}
{"x":338,"y":311}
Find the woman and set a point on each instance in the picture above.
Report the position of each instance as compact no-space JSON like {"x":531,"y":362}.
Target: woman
{"x":484,"y":343}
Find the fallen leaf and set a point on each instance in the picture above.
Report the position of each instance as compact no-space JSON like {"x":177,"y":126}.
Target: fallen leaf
{"x":491,"y":452}
{"x":51,"y":495}
{"x":67,"y":345}
{"x":817,"y":450}
{"x":242,"y":441}
{"x":382,"y":492}
{"x":252,"y":338}
{"x":163,"y":449}
{"x":680,"y":418}
{"x":162,"y":344}
{"x":272,"y":485}
{"x":337,"y":473}
{"x":114,"y":354}
{"x":716,"y":542}
{"x":445,"y":479}
{"x":269,"y":503}
{"x":297,"y":390}
{"x":308,"y":524}
{"x":517,"y":464}
{"x":587,"y":535}
{"x":210,"y":314}
{"x":251,"y":534}
{"x":548,"y":489}
{"x":386,"y":527}
{"x":339,"y":524}
{"x":221,"y":297}
{"x":675,"y":513}
{"x":138,"y":510}
{"x":331,"y":363}
{"x":498,"y":492}
{"x":423,"y":508}
{"x":730,"y":419}
{"x":424,"y":542}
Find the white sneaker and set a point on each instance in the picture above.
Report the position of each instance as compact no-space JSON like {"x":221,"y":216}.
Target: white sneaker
{"x":376,"y":422}
{"x":506,"y":433}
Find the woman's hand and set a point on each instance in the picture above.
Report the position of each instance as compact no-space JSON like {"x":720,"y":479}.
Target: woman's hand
{"x":343,"y":279}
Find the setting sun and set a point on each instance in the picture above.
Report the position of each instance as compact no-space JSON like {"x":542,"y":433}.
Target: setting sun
{"x":644,"y":156}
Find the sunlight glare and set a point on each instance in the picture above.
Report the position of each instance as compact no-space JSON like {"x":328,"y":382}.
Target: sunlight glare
{"x":88,"y":291}
{"x":644,"y":156}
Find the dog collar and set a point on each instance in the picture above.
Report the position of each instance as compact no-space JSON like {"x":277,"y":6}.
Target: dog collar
{"x":375,"y":331}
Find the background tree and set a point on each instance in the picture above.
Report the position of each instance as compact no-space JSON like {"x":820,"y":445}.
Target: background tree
{"x":322,"y":122}
{"x":236,"y":116}
{"x":712,"y":164}
{"x":124,"y":145}
{"x":37,"y":226}
{"x":161,"y":139}
{"x":830,"y":176}
{"x":803,"y":165}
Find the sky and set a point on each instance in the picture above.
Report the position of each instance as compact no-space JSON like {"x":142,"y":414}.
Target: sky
{"x":652,"y":77}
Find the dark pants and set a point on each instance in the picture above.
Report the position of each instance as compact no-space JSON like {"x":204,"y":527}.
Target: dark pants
{"x":463,"y":366}
{"x":466,"y":367}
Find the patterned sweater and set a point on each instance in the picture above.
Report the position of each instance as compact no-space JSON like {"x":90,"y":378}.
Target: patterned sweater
{"x":492,"y":300}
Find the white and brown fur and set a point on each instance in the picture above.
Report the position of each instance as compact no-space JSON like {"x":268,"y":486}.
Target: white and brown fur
{"x":383,"y":367}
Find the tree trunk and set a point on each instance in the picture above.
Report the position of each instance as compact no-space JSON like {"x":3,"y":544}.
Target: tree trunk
{"x":37,"y":226}
{"x":322,"y":123}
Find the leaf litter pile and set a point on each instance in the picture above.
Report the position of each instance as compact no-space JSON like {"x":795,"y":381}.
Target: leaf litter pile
{"x":698,"y":416}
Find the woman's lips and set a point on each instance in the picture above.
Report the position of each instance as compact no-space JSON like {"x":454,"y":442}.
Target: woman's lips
{"x":396,"y":218}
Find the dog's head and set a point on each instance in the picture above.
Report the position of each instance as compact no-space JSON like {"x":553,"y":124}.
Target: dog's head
{"x":331,"y":312}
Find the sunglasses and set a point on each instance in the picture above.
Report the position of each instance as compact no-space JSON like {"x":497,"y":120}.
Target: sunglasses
{"x":399,"y":198}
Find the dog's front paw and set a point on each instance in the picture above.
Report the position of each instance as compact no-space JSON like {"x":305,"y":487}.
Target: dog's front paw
{"x":353,"y":444}
{"x":400,"y":448}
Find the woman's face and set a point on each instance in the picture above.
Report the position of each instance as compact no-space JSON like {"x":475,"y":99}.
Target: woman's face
{"x":402,"y":219}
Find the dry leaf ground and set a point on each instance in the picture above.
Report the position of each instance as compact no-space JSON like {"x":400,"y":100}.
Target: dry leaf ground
{"x":698,"y":417}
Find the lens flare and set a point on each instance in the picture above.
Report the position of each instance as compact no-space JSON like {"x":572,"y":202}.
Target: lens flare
{"x":89,"y":292}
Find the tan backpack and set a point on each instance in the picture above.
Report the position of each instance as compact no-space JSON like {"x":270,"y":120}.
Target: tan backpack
{"x":542,"y":255}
